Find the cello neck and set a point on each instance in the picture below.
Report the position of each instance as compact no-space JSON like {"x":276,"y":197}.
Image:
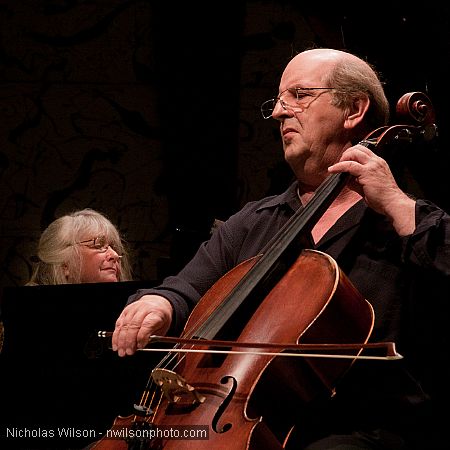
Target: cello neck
{"x":281,"y":251}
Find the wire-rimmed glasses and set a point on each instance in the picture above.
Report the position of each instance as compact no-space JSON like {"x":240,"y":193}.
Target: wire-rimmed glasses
{"x":293,"y":97}
{"x":99,"y":243}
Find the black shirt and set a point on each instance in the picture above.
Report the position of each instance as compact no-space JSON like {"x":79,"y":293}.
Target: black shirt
{"x":406,"y":280}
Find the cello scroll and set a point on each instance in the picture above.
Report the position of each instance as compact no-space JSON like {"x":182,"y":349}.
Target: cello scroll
{"x":415,"y":113}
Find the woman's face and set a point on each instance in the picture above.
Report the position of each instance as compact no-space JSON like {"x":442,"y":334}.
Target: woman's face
{"x":100,"y":263}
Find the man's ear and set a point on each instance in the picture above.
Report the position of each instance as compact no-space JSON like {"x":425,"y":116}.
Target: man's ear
{"x":356,"y":112}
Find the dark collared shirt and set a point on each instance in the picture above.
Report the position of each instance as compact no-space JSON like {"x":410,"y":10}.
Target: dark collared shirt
{"x":404,"y":278}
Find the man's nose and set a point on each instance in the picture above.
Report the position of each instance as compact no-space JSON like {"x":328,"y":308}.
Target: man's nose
{"x":281,"y":110}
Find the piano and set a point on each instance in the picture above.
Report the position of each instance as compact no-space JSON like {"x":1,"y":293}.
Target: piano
{"x":61,"y":386}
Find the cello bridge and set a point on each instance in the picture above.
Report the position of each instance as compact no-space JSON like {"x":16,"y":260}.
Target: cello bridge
{"x":175,"y":388}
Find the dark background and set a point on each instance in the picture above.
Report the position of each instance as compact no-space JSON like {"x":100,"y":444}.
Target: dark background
{"x":149,"y":112}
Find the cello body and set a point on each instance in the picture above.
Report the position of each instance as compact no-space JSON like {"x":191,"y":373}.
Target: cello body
{"x":243,"y":400}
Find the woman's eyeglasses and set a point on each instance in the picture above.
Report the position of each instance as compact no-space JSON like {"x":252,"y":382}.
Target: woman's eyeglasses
{"x":98,"y":243}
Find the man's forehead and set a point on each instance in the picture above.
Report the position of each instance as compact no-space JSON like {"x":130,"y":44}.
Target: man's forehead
{"x":300,"y":72}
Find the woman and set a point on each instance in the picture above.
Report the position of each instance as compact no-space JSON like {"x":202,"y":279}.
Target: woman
{"x":81,"y":247}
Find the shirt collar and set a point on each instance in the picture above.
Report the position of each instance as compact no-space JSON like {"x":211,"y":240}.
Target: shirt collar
{"x":288,"y":197}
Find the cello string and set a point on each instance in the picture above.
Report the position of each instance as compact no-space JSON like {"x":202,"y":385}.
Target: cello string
{"x":175,"y":356}
{"x":172,"y":359}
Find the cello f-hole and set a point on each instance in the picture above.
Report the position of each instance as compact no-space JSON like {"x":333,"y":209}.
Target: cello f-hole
{"x":215,"y":422}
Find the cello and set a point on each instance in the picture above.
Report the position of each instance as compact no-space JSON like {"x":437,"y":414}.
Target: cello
{"x":239,"y":398}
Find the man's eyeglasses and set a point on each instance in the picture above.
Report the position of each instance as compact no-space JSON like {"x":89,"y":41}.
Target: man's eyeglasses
{"x":292,"y":99}
{"x":98,"y":243}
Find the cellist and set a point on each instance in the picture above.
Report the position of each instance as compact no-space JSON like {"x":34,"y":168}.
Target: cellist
{"x":393,"y":247}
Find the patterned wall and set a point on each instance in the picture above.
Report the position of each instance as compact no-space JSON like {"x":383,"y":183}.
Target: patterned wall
{"x":79,"y":128}
{"x":150,"y":113}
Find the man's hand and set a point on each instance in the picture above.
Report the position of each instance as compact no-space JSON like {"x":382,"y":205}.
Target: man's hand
{"x":151,"y":314}
{"x":373,"y":179}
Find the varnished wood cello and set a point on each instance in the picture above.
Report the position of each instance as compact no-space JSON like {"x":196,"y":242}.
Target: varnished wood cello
{"x":240,"y":397}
